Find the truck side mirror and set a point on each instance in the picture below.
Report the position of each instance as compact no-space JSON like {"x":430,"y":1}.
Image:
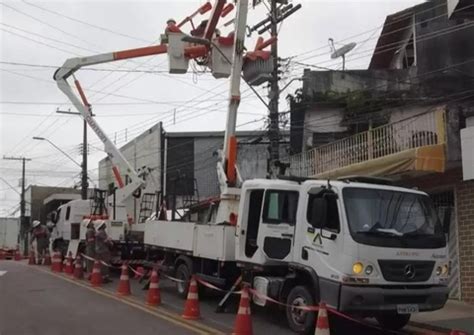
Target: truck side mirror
{"x":447,"y":220}
{"x":54,"y":217}
{"x":318,"y":212}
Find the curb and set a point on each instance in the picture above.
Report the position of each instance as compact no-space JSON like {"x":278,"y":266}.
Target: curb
{"x":426,"y":326}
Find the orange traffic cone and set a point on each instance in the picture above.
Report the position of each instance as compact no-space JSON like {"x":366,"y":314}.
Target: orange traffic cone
{"x":78,"y":272}
{"x":69,"y":268}
{"x":47,"y":258}
{"x":243,"y":321}
{"x":139,"y":273}
{"x":124,"y":283}
{"x":154,"y":297}
{"x":322,"y":323}
{"x":191,"y":307}
{"x":96,"y":276}
{"x":32,"y":259}
{"x":17,"y":254}
{"x":56,"y":265}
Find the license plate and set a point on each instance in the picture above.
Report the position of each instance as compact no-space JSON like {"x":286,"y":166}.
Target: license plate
{"x":407,"y":309}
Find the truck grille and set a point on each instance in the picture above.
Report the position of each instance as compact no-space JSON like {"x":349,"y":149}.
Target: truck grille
{"x":405,"y":270}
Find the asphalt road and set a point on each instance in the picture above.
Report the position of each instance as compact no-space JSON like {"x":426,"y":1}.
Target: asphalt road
{"x":35,"y":301}
{"x":38,"y":303}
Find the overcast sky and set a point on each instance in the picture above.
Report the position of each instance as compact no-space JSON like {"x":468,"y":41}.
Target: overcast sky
{"x":128,"y":102}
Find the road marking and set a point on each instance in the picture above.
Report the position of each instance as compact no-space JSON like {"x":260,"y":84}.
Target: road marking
{"x":2,"y":273}
{"x":159,"y":312}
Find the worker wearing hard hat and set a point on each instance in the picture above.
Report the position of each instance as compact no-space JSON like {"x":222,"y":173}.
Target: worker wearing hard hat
{"x":90,"y":244}
{"x":103,"y":244}
{"x":40,"y":234}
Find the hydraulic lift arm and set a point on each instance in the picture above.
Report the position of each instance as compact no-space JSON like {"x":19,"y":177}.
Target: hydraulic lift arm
{"x":61,"y":77}
{"x":72,"y":65}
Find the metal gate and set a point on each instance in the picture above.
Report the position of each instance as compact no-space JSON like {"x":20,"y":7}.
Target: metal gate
{"x":444,"y":202}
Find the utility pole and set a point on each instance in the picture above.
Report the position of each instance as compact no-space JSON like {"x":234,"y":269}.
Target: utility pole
{"x":84,"y":181}
{"x":23,"y":223}
{"x":279,"y":11}
{"x":274,"y":130}
{"x":84,"y":177}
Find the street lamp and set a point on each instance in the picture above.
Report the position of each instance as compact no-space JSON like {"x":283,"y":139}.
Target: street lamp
{"x":85,"y":184}
{"x":38,"y":138}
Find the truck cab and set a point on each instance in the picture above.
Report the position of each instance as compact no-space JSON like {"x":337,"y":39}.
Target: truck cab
{"x":70,"y":224}
{"x":67,"y":222}
{"x":362,"y":248}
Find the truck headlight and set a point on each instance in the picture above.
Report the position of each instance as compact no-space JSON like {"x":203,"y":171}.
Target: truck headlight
{"x":369,"y":269}
{"x":445,"y":269}
{"x":357,"y":268}
{"x":439,"y":270}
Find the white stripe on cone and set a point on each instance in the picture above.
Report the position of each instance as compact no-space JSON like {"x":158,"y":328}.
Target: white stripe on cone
{"x":244,"y":311}
{"x":193,"y":296}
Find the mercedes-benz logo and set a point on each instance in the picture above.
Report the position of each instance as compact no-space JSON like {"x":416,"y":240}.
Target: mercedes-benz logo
{"x":409,"y":271}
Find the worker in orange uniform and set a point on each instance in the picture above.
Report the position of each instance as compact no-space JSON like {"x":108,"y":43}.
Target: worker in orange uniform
{"x":103,"y":246}
{"x":40,"y":234}
{"x":90,"y":245}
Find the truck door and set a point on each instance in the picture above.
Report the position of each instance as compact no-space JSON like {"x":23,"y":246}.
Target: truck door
{"x":320,"y":247}
{"x":277,"y":228}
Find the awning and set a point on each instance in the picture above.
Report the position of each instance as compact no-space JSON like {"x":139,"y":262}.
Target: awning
{"x":429,"y":158}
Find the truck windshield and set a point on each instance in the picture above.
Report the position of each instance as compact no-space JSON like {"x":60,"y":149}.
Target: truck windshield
{"x":393,"y":219}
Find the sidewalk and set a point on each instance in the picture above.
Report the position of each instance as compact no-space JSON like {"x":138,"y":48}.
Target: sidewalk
{"x":455,"y":315}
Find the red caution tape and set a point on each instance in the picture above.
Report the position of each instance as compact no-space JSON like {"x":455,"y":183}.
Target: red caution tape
{"x":213,"y":287}
{"x":265,"y":297}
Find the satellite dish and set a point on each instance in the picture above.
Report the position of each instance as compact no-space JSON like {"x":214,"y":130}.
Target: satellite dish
{"x":341,"y":52}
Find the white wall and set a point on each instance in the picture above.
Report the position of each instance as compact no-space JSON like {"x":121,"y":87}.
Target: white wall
{"x":143,"y":151}
{"x":322,"y":120}
{"x":467,"y":149}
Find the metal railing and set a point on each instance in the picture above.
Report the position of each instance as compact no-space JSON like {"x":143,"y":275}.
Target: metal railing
{"x":421,"y":130}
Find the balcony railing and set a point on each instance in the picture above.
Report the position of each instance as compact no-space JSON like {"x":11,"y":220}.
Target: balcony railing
{"x":421,"y":130}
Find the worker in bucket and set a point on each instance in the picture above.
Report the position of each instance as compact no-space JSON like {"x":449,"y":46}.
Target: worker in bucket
{"x":103,"y":246}
{"x":40,"y":234}
{"x":90,"y":244}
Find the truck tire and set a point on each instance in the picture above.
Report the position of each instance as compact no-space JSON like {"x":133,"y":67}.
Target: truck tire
{"x":300,"y":321}
{"x":393,"y":321}
{"x":183,"y":273}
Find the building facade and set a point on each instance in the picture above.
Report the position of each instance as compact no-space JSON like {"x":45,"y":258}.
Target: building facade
{"x":183,"y":164}
{"x":408,"y":117}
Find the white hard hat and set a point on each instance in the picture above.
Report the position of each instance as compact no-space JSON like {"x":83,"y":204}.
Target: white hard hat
{"x":36,"y":223}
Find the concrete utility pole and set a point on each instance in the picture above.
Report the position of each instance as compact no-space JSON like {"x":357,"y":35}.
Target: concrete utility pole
{"x":279,"y":11}
{"x":84,"y":177}
{"x":274,"y":95}
{"x":23,"y":224}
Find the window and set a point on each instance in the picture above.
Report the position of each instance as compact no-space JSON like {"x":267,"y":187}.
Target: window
{"x":332,"y":222}
{"x":280,"y":207}
{"x":255,"y":207}
{"x":68,"y":212}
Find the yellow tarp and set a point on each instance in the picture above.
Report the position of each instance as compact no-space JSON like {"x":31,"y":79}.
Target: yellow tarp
{"x":428,"y":158}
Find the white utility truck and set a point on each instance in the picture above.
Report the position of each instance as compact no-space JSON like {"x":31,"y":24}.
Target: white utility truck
{"x":70,"y":220}
{"x":362,"y":246}
{"x":9,"y":235}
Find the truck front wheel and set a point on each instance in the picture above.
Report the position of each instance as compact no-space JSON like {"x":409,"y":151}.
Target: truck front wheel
{"x":393,"y":321}
{"x":299,"y":320}
{"x":184,"y":275}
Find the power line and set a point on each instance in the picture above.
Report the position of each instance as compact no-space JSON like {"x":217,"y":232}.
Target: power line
{"x":45,"y":23}
{"x":393,"y":22}
{"x":87,"y":23}
{"x":396,"y":45}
